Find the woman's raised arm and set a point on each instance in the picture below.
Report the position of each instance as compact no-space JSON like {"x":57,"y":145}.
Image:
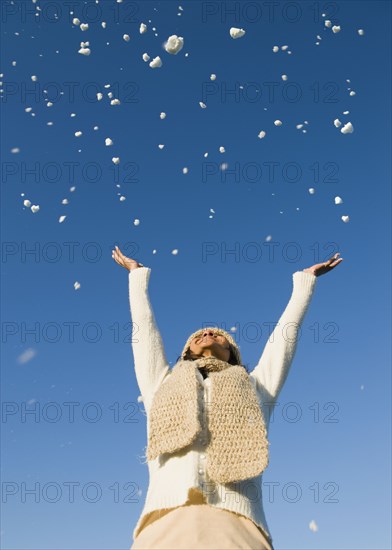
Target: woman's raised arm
{"x":275,"y":361}
{"x":149,"y":356}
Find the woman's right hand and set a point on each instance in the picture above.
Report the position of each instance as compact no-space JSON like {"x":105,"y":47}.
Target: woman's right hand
{"x":122,"y":260}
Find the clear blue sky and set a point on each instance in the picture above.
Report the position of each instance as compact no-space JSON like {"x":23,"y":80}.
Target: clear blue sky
{"x":331,"y":466}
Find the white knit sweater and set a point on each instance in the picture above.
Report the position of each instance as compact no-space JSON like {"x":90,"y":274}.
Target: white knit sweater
{"x":172,"y":476}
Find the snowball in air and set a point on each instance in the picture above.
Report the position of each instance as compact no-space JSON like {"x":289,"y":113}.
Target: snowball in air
{"x":337,"y":123}
{"x":34,"y":208}
{"x":347,"y":128}
{"x":278,"y":123}
{"x":84,"y":51}
{"x":99,"y":96}
{"x":346,"y":219}
{"x":26,"y":203}
{"x":155,"y":63}
{"x":327,"y":23}
{"x":213,"y":77}
{"x":262,"y":134}
{"x":338,"y":200}
{"x":34,"y":78}
{"x":313,"y":526}
{"x":175,"y":252}
{"x":275,"y":49}
{"x":126,"y":37}
{"x":174,"y":44}
{"x":236,"y":33}
{"x":116,"y":160}
{"x":142,"y":28}
{"x":335,"y":29}
{"x":84,"y":26}
{"x":352,"y":93}
{"x":108,"y":142}
{"x":78,"y":134}
{"x":136,"y":222}
{"x":162,"y":116}
{"x":62,"y":218}
{"x":202,"y":105}
{"x":284,"y":76}
{"x":361,"y":32}
{"x":76,"y":21}
{"x":185,"y":170}
{"x":222,"y":150}
{"x":311,"y":191}
{"x":146,"y":57}
{"x":76,"y":285}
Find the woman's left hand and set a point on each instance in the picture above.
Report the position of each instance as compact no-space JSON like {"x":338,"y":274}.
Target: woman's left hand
{"x":320,"y":269}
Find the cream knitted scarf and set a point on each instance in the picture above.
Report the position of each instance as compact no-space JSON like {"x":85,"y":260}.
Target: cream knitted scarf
{"x":238,"y":446}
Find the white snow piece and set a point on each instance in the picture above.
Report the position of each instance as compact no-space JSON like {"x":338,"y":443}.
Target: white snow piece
{"x":35,"y":208}
{"x":347,"y":128}
{"x":236,"y":33}
{"x":108,"y":142}
{"x":116,"y":160}
{"x":156,"y":63}
{"x":337,"y":123}
{"x":338,"y":200}
{"x":146,"y":57}
{"x":278,"y":123}
{"x":142,"y":28}
{"x":346,"y":219}
{"x":262,"y":134}
{"x":335,"y":29}
{"x":174,"y":44}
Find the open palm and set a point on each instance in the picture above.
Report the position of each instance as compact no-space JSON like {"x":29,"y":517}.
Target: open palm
{"x":129,"y":263}
{"x":320,"y":269}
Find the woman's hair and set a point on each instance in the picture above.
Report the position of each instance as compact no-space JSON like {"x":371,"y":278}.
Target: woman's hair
{"x":192,"y":357}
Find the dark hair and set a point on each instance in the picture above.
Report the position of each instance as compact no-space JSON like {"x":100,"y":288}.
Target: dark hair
{"x":191,"y":357}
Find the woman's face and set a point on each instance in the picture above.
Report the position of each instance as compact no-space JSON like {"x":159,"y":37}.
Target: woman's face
{"x":210,"y":343}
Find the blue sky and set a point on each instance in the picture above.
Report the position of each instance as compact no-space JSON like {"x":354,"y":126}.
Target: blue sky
{"x":330,"y":437}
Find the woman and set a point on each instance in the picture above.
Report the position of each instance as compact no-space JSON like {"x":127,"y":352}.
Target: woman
{"x":207,"y":424}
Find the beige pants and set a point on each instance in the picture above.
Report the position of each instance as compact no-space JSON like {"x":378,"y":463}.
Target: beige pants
{"x":200,"y":527}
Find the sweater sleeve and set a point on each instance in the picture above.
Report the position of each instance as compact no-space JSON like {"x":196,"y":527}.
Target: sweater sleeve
{"x":149,"y":356}
{"x":274,"y":364}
